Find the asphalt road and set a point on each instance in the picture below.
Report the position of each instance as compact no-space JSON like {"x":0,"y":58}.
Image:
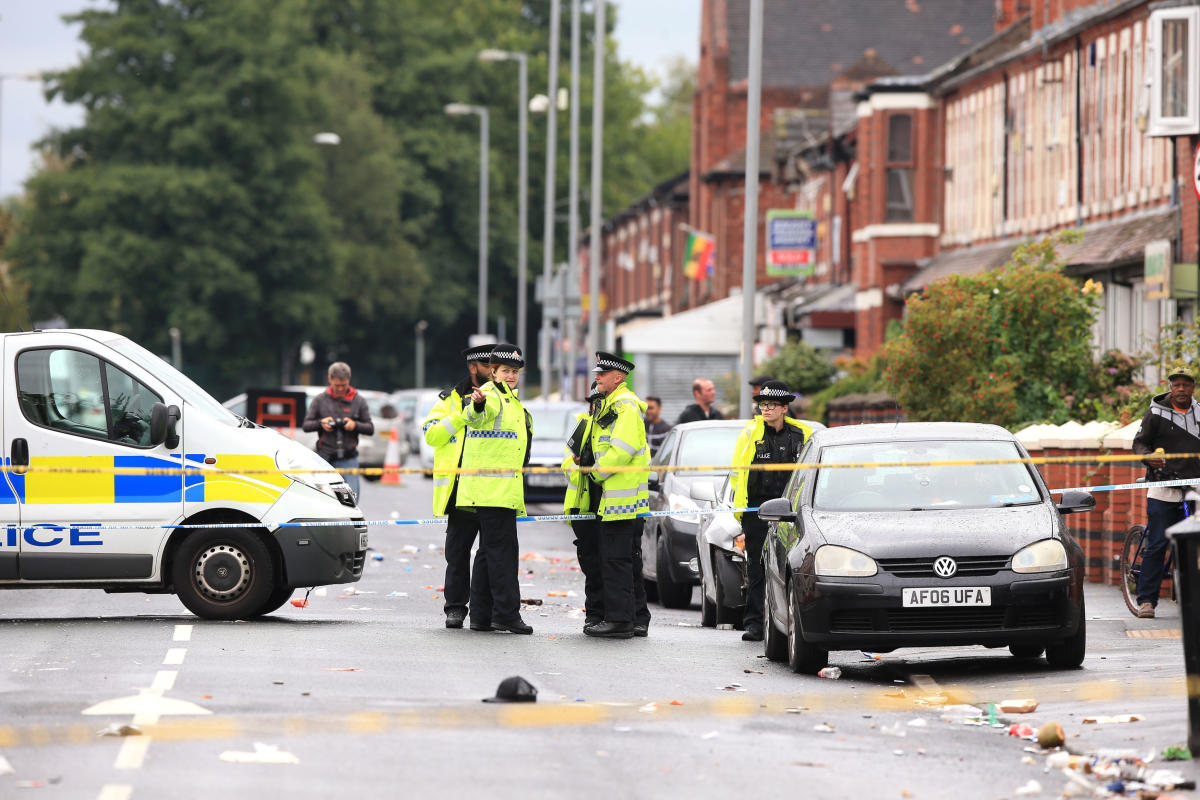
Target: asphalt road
{"x":365,"y":694}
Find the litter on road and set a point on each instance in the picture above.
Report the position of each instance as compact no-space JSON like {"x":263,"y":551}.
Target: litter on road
{"x":262,"y":754}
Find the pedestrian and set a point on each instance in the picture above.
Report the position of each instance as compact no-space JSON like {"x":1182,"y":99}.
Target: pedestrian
{"x":770,"y":438}
{"x":705,"y":394}
{"x":443,"y":431}
{"x":618,"y":439}
{"x":499,"y":430}
{"x":339,"y":415}
{"x":1171,"y":425}
{"x":582,"y":499}
{"x":657,"y":428}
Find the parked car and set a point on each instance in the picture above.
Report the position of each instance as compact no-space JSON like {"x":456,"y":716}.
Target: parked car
{"x":669,"y":560}
{"x":414,"y":405}
{"x":372,"y":450}
{"x":882,"y":557}
{"x":552,"y":424}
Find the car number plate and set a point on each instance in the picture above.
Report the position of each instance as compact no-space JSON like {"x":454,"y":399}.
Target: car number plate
{"x":362,"y":541}
{"x":947,"y":596}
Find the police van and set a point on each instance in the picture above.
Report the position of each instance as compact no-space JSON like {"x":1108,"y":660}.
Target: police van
{"x":83,"y":402}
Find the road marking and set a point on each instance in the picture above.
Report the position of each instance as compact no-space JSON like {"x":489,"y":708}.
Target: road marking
{"x":175,"y":655}
{"x":164,"y":680}
{"x":1154,"y":633}
{"x":183,"y":633}
{"x":146,"y":702}
{"x":132,"y":753}
{"x":115,"y":791}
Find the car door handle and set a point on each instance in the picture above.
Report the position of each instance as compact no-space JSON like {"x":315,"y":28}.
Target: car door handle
{"x":19,"y":454}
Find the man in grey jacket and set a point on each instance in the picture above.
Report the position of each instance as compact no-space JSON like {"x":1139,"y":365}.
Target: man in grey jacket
{"x":340,"y":414}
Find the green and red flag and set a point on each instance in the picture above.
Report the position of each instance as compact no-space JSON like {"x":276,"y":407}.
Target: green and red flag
{"x":699,"y":255}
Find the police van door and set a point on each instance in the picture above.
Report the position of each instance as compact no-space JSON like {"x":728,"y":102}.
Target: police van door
{"x":69,"y":407}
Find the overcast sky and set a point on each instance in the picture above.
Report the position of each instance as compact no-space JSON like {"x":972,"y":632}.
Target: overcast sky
{"x":33,"y":38}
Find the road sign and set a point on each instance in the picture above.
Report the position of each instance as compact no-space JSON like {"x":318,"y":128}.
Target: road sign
{"x":791,"y":242}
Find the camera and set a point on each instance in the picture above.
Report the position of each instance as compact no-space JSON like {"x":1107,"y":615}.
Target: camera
{"x":338,"y":424}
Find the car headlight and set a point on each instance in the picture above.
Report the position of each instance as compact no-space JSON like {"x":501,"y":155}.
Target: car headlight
{"x":1047,"y":555}
{"x":682,"y":502}
{"x":841,"y":562}
{"x":296,"y":462}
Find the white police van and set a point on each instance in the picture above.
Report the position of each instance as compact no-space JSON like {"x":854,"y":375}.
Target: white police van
{"x":83,"y":402}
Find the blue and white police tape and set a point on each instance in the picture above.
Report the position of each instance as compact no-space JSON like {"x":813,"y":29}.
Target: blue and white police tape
{"x":1113,"y":487}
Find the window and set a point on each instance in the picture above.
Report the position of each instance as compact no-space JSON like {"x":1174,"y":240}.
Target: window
{"x":1174,"y":72}
{"x":899,"y":169}
{"x":76,"y":392}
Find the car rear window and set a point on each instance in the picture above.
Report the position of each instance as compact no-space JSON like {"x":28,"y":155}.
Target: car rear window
{"x":914,"y":486}
{"x":707,"y":447}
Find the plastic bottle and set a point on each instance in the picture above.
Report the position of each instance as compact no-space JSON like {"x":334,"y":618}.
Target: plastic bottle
{"x":833,"y":673}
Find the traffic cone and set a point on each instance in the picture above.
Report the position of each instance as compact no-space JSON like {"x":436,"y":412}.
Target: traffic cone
{"x":391,"y":460}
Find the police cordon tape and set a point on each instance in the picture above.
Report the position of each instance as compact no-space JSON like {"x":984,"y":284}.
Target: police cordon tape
{"x":660,"y":468}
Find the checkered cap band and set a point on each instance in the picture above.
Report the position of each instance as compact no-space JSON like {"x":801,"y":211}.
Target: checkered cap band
{"x":771,"y":391}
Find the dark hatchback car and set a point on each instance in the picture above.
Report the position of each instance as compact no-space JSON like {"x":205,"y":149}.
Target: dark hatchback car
{"x":552,"y":425}
{"x":669,"y":557}
{"x":882,"y":557}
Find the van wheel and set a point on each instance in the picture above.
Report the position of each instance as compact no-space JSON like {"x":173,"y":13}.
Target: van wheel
{"x":224,"y":574}
{"x":279,"y":596}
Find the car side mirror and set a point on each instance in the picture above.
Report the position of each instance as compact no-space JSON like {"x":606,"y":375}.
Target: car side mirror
{"x":777,"y":510}
{"x":162,"y":425}
{"x":703,"y":490}
{"x":1076,"y":500}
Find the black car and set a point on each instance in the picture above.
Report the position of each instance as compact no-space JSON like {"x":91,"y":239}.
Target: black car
{"x":669,"y":560}
{"x":552,"y":424}
{"x":881,"y":557}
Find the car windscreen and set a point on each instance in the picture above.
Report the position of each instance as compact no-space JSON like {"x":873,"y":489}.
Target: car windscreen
{"x":707,"y":447}
{"x":916,"y":487}
{"x":192,"y":394}
{"x":554,"y":422}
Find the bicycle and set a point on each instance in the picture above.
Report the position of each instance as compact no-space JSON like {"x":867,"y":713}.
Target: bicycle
{"x":1131,"y":557}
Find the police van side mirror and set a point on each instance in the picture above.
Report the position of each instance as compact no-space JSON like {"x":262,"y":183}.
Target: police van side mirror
{"x":162,"y":425}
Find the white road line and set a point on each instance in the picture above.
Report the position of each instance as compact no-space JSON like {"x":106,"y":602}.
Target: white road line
{"x":175,"y":655}
{"x":115,"y":791}
{"x":164,"y":680}
{"x":183,"y":633}
{"x":132,"y":753}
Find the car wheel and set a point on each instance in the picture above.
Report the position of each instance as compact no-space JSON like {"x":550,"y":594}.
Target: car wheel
{"x":708,"y":609}
{"x":670,"y":593}
{"x":1068,"y":653}
{"x":725,"y":614}
{"x":279,"y":596}
{"x":223,"y":574}
{"x":1026,"y":650}
{"x":774,"y":640}
{"x":802,"y":657}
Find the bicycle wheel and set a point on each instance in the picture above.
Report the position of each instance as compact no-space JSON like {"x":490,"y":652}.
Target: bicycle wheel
{"x":1131,"y":565}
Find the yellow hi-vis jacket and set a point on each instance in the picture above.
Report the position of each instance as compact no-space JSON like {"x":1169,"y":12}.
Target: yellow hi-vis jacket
{"x":743,"y":454}
{"x":497,"y":438}
{"x":443,"y":431}
{"x":618,"y":436}
{"x":578,"y":498}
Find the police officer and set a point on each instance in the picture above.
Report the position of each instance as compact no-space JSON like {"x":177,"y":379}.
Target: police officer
{"x":618,"y":439}
{"x":579,"y":500}
{"x":443,"y":430}
{"x":498,"y":433}
{"x":770,"y":438}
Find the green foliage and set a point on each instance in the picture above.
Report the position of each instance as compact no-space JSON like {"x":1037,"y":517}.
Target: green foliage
{"x":194,"y":196}
{"x":857,"y":377}
{"x":802,"y":367}
{"x":1002,"y":347}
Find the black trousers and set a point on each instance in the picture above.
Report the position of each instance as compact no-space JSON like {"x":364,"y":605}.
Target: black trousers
{"x":591,"y":563}
{"x":616,"y":569}
{"x":461,"y":529}
{"x":495,"y":593}
{"x":756,"y":536}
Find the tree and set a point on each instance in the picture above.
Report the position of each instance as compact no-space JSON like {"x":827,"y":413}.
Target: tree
{"x":1008,"y":346}
{"x":802,"y":367}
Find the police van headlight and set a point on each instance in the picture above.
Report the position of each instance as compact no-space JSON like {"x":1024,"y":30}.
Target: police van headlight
{"x":298,"y":463}
{"x":1048,"y":555}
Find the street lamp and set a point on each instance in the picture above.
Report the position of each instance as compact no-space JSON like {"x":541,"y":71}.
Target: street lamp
{"x":12,"y":76}
{"x":522,"y":60}
{"x":459,"y":110}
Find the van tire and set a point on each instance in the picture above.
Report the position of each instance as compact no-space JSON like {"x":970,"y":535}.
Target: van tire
{"x":279,"y":596}
{"x":224,"y":574}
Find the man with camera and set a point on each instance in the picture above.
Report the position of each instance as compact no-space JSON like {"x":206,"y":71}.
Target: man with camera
{"x":340,"y":415}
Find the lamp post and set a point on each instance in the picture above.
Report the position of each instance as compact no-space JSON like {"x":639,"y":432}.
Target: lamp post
{"x":551,"y":155}
{"x":522,"y":181}
{"x":12,"y":76}
{"x":458,"y":110}
{"x":573,"y":204}
{"x":594,"y":255}
{"x":419,"y":329}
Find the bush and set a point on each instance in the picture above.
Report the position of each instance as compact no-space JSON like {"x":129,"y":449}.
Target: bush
{"x":802,"y":367}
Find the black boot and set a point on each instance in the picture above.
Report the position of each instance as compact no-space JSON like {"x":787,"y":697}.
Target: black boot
{"x":611,"y":630}
{"x":455,"y":617}
{"x":513,"y":626}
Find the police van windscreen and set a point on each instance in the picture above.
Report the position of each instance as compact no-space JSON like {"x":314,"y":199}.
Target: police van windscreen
{"x":192,"y":394}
